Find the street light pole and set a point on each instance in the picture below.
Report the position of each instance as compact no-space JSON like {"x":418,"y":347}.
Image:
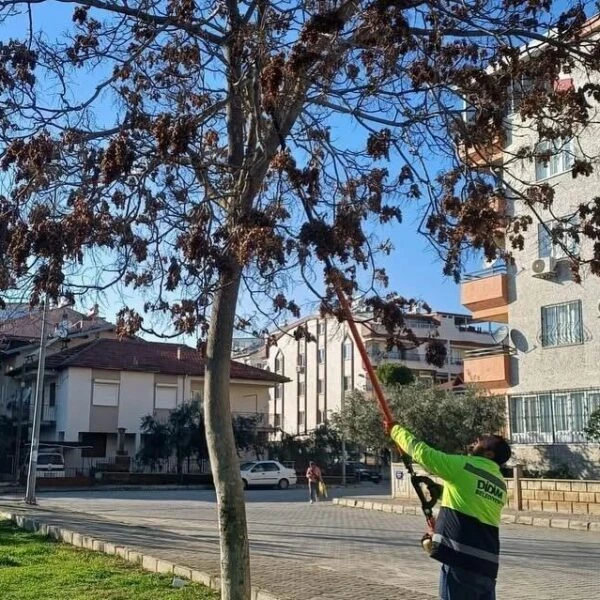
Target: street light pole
{"x":19,"y":430}
{"x":37,"y":412}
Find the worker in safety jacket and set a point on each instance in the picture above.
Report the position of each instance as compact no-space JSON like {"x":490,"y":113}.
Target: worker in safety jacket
{"x":465,"y":539}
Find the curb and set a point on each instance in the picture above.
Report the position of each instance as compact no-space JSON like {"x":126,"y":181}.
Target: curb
{"x":108,"y":488}
{"x":507,"y":519}
{"x":145,"y":561}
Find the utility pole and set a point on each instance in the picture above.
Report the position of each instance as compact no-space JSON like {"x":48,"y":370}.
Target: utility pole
{"x":37,"y":412}
{"x":19,"y":430}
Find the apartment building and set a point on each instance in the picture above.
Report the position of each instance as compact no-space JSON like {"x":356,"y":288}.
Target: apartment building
{"x":548,"y":365}
{"x":322,"y":372}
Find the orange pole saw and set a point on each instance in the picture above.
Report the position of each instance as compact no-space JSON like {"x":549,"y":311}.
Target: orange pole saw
{"x":427,"y":490}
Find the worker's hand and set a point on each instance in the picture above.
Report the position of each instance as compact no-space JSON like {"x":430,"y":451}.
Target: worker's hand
{"x":388,"y":426}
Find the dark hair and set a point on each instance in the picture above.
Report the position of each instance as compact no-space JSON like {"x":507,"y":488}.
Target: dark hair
{"x":499,"y":446}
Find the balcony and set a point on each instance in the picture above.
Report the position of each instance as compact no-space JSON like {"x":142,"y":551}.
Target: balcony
{"x":423,"y":329}
{"x":485,"y":294}
{"x":410,"y":358}
{"x":483,"y":155}
{"x":489,"y":368}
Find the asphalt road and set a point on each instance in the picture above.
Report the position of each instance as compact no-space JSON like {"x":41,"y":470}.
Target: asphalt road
{"x":367,"y":547}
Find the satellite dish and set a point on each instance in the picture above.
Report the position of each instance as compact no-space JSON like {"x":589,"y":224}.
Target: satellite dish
{"x":499,"y":335}
{"x":519,"y":340}
{"x":488,"y":264}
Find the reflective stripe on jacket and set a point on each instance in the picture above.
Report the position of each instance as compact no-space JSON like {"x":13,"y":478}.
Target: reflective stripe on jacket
{"x":466,"y":531}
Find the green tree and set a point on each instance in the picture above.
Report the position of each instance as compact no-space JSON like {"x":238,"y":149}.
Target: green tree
{"x":444,"y":419}
{"x":182,"y":435}
{"x":325,"y":444}
{"x":186,"y":433}
{"x":393,"y":374}
{"x":360,"y":422}
{"x":447,"y":421}
{"x":156,"y":445}
{"x":592,"y":429}
{"x":247,"y":435}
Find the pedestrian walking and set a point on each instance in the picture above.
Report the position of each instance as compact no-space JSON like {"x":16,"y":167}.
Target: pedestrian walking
{"x":466,"y":535}
{"x":314,"y":477}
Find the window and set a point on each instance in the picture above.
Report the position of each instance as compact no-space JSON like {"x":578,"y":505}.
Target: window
{"x":553,"y":158}
{"x":105,"y":393}
{"x":347,"y":383}
{"x":519,"y":88}
{"x":278,"y":365}
{"x":552,"y":417}
{"x":319,"y":417}
{"x":321,"y":355}
{"x":555,"y":242}
{"x":271,"y":467}
{"x":277,"y":392}
{"x":165,"y":397}
{"x":301,"y":360}
{"x":562,"y":324}
{"x":301,"y":419}
{"x":93,"y":445}
{"x":347,"y":350}
{"x":456,"y":356}
{"x":52,"y":394}
{"x":320,"y":386}
{"x":320,"y":328}
{"x":301,"y":388}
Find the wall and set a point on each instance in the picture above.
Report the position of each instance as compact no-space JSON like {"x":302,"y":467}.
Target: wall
{"x":546,"y":495}
{"x":582,"y":459}
{"x":136,"y":399}
{"x":564,"y":496}
{"x":76,"y":414}
{"x":537,"y":368}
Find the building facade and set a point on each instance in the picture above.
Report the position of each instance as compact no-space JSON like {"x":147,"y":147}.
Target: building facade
{"x":322,"y":372}
{"x":97,"y":389}
{"x":548,"y":366}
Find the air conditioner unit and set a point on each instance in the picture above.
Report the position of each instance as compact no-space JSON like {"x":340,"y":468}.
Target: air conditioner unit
{"x":544,"y":268}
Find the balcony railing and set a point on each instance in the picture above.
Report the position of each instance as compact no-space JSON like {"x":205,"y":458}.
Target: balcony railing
{"x":489,"y":351}
{"x":377,"y":355}
{"x":499,"y":269}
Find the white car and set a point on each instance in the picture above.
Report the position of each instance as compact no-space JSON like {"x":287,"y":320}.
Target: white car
{"x":267,"y":472}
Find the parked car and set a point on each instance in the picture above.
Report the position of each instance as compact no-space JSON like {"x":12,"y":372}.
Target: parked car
{"x":362,"y":472}
{"x":49,"y":464}
{"x":267,"y":473}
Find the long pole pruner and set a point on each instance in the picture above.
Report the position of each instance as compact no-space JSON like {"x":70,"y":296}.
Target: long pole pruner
{"x":419,"y":482}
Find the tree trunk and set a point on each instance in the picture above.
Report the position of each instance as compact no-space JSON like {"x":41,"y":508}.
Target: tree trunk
{"x":225,"y":466}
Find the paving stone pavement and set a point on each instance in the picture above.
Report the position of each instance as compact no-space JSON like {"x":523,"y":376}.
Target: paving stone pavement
{"x":323,"y":552}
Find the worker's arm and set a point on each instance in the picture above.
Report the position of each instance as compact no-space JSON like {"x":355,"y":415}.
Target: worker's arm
{"x":440,"y":464}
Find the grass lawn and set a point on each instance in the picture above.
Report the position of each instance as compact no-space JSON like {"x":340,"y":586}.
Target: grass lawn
{"x":36,"y":568}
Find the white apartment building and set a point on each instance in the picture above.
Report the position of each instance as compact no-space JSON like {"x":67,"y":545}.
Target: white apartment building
{"x":322,"y":372}
{"x":549,"y":364}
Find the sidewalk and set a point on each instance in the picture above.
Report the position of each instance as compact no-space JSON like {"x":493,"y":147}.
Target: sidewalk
{"x":196,"y":558}
{"x":408,"y":506}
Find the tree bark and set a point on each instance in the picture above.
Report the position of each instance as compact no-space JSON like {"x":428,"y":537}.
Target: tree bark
{"x":235,"y":556}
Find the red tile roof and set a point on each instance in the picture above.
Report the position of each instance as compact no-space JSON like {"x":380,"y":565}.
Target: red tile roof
{"x":153,"y":357}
